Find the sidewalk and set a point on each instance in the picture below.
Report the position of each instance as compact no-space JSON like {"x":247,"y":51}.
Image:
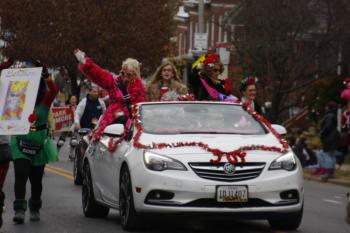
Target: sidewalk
{"x":342,"y":176}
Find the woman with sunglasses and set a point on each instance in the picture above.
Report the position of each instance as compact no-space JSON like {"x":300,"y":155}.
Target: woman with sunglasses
{"x":165,"y":84}
{"x":124,"y":90}
{"x":205,"y":81}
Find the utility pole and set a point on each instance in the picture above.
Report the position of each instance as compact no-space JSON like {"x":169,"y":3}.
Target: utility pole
{"x":200,"y":37}
{"x":201,"y":16}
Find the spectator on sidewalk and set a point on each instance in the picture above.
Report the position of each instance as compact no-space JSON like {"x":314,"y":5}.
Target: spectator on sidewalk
{"x":330,"y":139}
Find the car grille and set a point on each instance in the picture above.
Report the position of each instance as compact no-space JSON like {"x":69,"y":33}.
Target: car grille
{"x":209,"y":203}
{"x":243,"y":171}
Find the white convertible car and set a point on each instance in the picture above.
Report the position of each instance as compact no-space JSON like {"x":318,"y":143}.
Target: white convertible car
{"x":194,"y":157}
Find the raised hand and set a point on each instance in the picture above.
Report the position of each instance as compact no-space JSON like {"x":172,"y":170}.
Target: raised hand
{"x":80,"y":55}
{"x":45,"y":72}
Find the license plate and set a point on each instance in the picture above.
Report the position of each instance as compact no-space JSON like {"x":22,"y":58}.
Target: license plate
{"x":231,"y":193}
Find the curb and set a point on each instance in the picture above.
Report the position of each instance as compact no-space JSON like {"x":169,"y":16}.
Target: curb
{"x":331,"y":181}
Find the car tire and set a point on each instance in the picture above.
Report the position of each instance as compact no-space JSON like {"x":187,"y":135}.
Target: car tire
{"x":77,"y":171}
{"x":91,"y":208}
{"x":128,"y":216}
{"x":289,"y":221}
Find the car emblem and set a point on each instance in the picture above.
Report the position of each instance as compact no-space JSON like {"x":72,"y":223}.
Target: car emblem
{"x":229,"y":168}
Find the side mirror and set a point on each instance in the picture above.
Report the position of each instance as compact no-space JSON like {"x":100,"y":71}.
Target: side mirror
{"x":114,"y":130}
{"x":280,"y":129}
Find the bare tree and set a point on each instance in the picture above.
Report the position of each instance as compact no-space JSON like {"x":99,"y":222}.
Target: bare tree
{"x":289,"y":44}
{"x":108,"y":30}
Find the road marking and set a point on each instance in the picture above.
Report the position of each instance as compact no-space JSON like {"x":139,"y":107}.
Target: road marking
{"x":59,"y":169}
{"x":331,"y":201}
{"x":65,"y":175}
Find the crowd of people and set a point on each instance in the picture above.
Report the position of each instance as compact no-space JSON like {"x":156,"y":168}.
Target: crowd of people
{"x":121,"y":91}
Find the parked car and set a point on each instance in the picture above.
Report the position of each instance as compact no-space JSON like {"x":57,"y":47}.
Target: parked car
{"x":166,"y":164}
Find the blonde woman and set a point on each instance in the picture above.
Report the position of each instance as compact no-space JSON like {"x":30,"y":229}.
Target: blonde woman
{"x":165,"y":84}
{"x":124,"y":89}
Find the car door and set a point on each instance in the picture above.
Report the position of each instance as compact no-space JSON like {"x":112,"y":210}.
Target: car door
{"x":107,"y":166}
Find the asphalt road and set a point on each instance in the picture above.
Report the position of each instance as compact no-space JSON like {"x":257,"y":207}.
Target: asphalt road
{"x":62,"y":213}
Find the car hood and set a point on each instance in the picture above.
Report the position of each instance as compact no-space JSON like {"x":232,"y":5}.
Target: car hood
{"x":223,"y":142}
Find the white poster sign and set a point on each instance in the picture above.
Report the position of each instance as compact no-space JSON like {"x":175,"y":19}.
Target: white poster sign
{"x":200,"y":41}
{"x":18,"y":91}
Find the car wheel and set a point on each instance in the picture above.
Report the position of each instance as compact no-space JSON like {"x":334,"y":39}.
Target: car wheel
{"x":78,"y":177}
{"x":90,"y":207}
{"x":288,"y":222}
{"x":128,"y":216}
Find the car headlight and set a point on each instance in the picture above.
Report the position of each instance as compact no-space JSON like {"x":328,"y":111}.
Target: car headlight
{"x":158,"y":162}
{"x":286,"y":162}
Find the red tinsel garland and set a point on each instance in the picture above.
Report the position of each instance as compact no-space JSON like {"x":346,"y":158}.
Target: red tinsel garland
{"x":232,"y":156}
{"x":113,"y":144}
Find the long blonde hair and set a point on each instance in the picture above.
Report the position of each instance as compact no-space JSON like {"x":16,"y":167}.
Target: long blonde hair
{"x":153,"y":86}
{"x":156,"y":77}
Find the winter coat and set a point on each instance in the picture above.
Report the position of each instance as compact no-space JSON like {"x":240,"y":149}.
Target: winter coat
{"x":88,"y":109}
{"x":199,"y":90}
{"x":153,"y":90}
{"x":108,"y":81}
{"x":330,"y":136}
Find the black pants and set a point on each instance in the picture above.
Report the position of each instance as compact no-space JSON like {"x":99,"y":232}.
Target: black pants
{"x":24,"y":170}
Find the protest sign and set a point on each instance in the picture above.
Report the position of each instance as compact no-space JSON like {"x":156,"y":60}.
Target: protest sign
{"x":63,"y":118}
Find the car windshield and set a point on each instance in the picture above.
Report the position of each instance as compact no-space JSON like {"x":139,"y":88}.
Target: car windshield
{"x":198,"y":118}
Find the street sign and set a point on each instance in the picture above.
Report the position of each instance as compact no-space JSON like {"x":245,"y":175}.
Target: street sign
{"x":223,"y":49}
{"x":200,"y":41}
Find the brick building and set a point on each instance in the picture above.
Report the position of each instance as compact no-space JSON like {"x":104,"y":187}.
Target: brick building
{"x":218,"y":34}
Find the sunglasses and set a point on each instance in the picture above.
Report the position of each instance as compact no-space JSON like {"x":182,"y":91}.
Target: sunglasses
{"x":217,"y":70}
{"x":124,"y":74}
